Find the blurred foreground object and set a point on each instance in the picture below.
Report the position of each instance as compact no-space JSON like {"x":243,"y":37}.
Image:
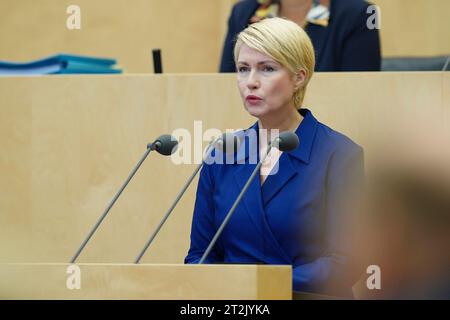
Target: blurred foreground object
{"x":405,"y":229}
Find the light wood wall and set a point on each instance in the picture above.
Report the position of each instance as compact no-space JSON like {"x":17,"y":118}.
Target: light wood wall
{"x":68,"y":142}
{"x":190,"y":35}
{"x":414,"y":27}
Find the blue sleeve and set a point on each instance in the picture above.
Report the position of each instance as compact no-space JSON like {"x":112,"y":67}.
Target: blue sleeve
{"x":361,"y":49}
{"x":227,"y":62}
{"x":203,"y":227}
{"x":334,"y":273}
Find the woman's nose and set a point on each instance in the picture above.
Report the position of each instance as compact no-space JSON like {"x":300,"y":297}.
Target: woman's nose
{"x":253,"y":81}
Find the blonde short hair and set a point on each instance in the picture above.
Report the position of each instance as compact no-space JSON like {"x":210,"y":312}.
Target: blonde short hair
{"x":285,"y":42}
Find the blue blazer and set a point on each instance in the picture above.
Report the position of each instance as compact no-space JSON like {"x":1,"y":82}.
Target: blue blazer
{"x":296,"y":217}
{"x":346,"y":44}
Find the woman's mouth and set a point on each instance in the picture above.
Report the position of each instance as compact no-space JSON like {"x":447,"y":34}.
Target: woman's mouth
{"x":253,"y":100}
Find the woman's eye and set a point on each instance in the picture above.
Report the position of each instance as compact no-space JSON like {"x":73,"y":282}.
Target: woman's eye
{"x":242,"y":69}
{"x":268,"y":69}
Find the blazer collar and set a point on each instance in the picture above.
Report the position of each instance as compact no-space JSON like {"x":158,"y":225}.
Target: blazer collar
{"x":306,"y":133}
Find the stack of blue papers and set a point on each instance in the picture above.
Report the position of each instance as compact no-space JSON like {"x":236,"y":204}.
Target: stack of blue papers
{"x":59,"y":64}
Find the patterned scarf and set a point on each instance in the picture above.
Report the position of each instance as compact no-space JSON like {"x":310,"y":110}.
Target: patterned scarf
{"x":318,"y":14}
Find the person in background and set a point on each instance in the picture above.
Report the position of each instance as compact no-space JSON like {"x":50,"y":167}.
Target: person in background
{"x":338,"y":30}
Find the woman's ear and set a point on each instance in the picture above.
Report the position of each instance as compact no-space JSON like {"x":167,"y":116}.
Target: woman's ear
{"x":299,"y":79}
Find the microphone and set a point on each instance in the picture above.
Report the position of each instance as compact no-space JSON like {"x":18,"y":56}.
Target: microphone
{"x":223,"y":144}
{"x":286,"y":141}
{"x":165,"y":145}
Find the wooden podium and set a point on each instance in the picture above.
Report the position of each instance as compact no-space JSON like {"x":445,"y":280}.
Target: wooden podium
{"x":145,"y":281}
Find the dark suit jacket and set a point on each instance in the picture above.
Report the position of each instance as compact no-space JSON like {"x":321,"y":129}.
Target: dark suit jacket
{"x":296,"y":217}
{"x":346,"y":44}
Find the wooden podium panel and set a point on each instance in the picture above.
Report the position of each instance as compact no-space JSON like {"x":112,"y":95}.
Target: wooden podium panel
{"x":145,"y":281}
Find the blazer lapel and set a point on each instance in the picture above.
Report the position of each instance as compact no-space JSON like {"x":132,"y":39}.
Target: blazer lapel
{"x":287,"y":166}
{"x":246,"y":161}
{"x":252,"y":198}
{"x":275,"y":182}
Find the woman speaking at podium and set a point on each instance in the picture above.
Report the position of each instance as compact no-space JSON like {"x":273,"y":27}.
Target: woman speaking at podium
{"x":298,"y":212}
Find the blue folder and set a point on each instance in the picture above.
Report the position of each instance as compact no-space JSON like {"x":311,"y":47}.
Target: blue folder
{"x":60,"y":64}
